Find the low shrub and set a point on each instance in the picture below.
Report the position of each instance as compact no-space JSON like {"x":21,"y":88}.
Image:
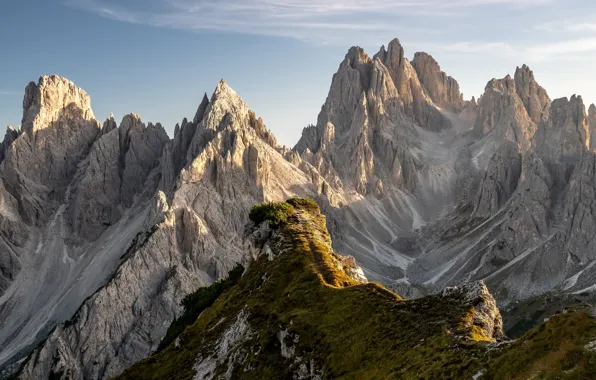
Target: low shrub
{"x":304,"y":203}
{"x":277,"y":213}
{"x":195,"y":303}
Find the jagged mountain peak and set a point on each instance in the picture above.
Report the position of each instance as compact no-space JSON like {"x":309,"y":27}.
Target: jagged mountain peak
{"x":109,"y":124}
{"x":566,"y":131}
{"x":512,"y":107}
{"x":533,"y":96}
{"x":443,"y":89}
{"x":574,"y":105}
{"x":356,"y":54}
{"x":131,"y":120}
{"x":201,"y":109}
{"x":53,"y":97}
{"x":524,"y":70}
{"x":394,"y":52}
{"x":10,"y":135}
{"x":223,"y":88}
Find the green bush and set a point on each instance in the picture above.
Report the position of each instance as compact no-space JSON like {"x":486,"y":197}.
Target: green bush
{"x":304,"y":203}
{"x":195,"y":303}
{"x":277,"y":213}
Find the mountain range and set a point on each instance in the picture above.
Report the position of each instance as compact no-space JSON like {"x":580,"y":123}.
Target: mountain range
{"x":106,"y":227}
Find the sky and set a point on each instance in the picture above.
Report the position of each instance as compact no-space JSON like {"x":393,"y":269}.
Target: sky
{"x":158,"y":57}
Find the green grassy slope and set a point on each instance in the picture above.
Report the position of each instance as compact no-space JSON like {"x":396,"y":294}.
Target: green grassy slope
{"x":305,"y":315}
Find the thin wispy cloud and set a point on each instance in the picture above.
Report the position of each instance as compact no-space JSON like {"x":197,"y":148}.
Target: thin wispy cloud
{"x":566,"y":49}
{"x":363,"y":21}
{"x":9,"y":92}
{"x":582,"y":45}
{"x":571,"y":26}
{"x":313,"y":20}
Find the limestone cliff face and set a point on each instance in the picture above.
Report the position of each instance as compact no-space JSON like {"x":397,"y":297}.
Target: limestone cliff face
{"x":9,"y":137}
{"x":414,"y":96}
{"x":369,"y":103}
{"x":190,"y":234}
{"x":539,"y":201}
{"x":442,"y":89}
{"x":502,"y":113}
{"x":58,"y":129}
{"x":114,"y":175}
{"x":533,"y":96}
{"x":592,"y":125}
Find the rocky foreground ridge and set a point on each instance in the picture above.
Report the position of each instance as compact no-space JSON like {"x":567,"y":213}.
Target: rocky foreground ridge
{"x":106,"y":227}
{"x":299,"y":313}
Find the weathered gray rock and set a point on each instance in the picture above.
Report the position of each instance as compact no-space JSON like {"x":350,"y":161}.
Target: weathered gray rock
{"x":533,"y":96}
{"x":9,"y":137}
{"x":190,"y":237}
{"x":58,"y":129}
{"x":442,"y":89}
{"x":96,"y":200}
{"x":502,"y":113}
{"x":413,"y":95}
{"x":355,"y":144}
{"x":564,"y":136}
{"x":500,"y":180}
{"x":140,"y":150}
{"x":486,"y":314}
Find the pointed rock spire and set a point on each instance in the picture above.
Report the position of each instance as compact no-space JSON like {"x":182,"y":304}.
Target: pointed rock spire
{"x":533,"y":96}
{"x":109,"y":125}
{"x":10,"y":136}
{"x":502,"y":112}
{"x":412,"y":93}
{"x":393,"y":59}
{"x":443,"y":89}
{"x":565,"y":136}
{"x":201,"y":110}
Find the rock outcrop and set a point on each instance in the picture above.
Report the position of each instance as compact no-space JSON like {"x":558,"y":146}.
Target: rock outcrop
{"x":9,"y":137}
{"x":532,"y":95}
{"x":442,"y":89}
{"x":502,"y":113}
{"x":58,"y":128}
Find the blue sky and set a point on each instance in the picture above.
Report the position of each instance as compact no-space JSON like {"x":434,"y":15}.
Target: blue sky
{"x":158,"y":57}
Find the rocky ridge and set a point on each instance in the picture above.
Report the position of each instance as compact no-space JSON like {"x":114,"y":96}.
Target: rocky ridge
{"x":296,"y":313}
{"x":259,"y":328}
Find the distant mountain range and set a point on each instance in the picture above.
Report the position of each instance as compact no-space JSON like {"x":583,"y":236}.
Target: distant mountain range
{"x":105,"y":228}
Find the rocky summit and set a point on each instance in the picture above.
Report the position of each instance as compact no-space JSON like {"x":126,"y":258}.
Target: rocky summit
{"x":108,"y":228}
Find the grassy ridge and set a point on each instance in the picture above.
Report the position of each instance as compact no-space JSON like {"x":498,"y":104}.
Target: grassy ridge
{"x":349,"y":330}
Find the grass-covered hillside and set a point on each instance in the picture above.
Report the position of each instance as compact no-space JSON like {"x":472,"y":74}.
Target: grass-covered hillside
{"x":299,"y":312}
